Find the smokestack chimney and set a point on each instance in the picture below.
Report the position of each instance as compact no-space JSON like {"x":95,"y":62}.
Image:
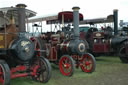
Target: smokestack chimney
{"x":115,"y":13}
{"x":76,"y":21}
{"x":21,"y":17}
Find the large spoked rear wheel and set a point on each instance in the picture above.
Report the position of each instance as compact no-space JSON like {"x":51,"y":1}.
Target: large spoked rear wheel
{"x":88,"y":63}
{"x":66,"y":65}
{"x":38,"y":45}
{"x":122,"y":54}
{"x":4,"y":73}
{"x":44,"y":71}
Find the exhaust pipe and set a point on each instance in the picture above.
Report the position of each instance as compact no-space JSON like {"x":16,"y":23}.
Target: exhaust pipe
{"x":76,"y":21}
{"x":21,"y":17}
{"x":115,"y":13}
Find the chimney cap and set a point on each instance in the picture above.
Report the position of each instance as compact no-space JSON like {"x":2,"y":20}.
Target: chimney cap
{"x":21,"y":5}
{"x":115,"y":10}
{"x":75,"y":8}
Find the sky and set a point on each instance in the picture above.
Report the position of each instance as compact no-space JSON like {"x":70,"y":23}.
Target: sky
{"x":89,"y":8}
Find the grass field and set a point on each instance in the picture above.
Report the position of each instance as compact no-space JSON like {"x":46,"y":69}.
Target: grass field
{"x":109,"y":71}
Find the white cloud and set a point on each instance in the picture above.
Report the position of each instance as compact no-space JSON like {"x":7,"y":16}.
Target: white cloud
{"x":89,"y":8}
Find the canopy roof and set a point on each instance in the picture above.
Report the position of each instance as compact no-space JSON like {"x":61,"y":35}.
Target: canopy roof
{"x":8,"y":11}
{"x":108,"y":19}
{"x":68,"y":17}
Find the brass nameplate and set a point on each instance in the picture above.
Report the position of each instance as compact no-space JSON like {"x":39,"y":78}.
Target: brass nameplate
{"x":1,"y":46}
{"x":1,"y":38}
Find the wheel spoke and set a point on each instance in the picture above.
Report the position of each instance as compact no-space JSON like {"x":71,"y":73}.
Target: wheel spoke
{"x":1,"y":80}
{"x":42,"y":76}
{"x":65,"y":60}
{"x":88,"y":64}
{"x":63,"y":64}
{"x":45,"y":75}
{"x":66,"y":70}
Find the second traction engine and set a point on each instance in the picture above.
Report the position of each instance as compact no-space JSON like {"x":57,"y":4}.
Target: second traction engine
{"x":74,"y":44}
{"x":66,"y":48}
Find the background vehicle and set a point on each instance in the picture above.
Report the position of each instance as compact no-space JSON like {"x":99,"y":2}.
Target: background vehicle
{"x":18,"y":58}
{"x":63,"y":46}
{"x":107,"y":41}
{"x":124,"y":28}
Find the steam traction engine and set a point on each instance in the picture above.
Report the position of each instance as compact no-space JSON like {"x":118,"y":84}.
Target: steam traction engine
{"x":64,"y":47}
{"x":107,"y":41}
{"x":18,"y":57}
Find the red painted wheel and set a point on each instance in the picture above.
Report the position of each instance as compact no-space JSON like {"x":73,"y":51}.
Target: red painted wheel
{"x":4,"y":73}
{"x":66,"y":65}
{"x":44,"y":72}
{"x":88,"y":63}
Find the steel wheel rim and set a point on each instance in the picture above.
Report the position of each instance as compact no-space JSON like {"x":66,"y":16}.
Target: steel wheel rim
{"x":2,"y":75}
{"x":65,"y":66}
{"x":123,"y":56}
{"x":87,"y":63}
{"x":122,"y":51}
